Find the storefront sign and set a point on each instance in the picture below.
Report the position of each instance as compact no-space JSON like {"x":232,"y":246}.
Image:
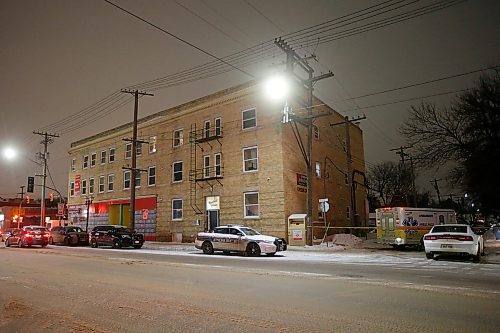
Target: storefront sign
{"x":213,"y":203}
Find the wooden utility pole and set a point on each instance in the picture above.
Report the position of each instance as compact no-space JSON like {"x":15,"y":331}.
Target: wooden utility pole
{"x":133,"y":169}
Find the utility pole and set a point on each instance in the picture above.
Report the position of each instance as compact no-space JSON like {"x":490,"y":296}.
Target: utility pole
{"x":434,"y":183}
{"x":47,"y":139}
{"x":133,"y":168}
{"x":20,"y":206}
{"x":307,"y":84}
{"x":401,"y":152}
{"x":350,"y":174}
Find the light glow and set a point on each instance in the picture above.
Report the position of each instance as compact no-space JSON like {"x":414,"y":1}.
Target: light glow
{"x":277,"y":87}
{"x":9,"y":153}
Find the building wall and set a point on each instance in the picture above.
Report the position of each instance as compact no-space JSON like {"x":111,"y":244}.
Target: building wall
{"x":279,"y":161}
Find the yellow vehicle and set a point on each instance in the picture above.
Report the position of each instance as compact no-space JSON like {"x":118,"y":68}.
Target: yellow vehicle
{"x":402,"y":226}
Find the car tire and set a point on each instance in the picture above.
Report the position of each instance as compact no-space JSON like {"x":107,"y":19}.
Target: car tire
{"x":207,"y":248}
{"x":7,"y":243}
{"x":117,"y":244}
{"x":51,"y":241}
{"x":420,"y":246}
{"x":477,"y":257}
{"x":73,"y":241}
{"x":429,"y":255}
{"x":93,"y":243}
{"x":22,"y":242}
{"x":253,"y":250}
{"x":271,"y":254}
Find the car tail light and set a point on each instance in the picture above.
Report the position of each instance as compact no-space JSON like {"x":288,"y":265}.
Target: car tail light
{"x":28,"y":235}
{"x":465,"y":238}
{"x":429,"y":237}
{"x":46,"y":235}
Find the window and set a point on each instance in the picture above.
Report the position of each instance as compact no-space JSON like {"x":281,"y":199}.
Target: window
{"x":152,"y":176}
{"x":218,"y":165}
{"x":137,"y":178}
{"x":177,"y":209}
{"x":126,"y":179}
{"x":85,"y":161}
{"x":316,"y":132}
{"x":207,"y":129}
{"x":218,"y":127}
{"x":128,"y":150}
{"x":318,"y":169}
{"x":178,"y":138}
{"x":84,"y":187}
{"x":251,"y":204}
{"x":73,"y":164}
{"x":72,"y":189}
{"x":138,"y":149}
{"x":101,"y":184}
{"x":177,"y":171}
{"x":93,"y":159}
{"x":152,"y":144}
{"x":91,"y":185}
{"x":111,"y":157}
{"x":249,"y":119}
{"x":111,"y":182}
{"x":103,"y":156}
{"x":206,"y":166}
{"x":250,"y":159}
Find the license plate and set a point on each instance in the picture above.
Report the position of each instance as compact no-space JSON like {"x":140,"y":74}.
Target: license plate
{"x":446,"y":246}
{"x":38,"y":236}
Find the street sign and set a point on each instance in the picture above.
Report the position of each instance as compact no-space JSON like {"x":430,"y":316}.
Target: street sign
{"x":324,"y":206}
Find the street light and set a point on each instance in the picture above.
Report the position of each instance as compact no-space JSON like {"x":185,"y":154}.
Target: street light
{"x":88,"y":202}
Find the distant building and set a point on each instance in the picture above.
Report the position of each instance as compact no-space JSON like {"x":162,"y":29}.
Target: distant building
{"x":226,"y":158}
{"x":14,"y":214}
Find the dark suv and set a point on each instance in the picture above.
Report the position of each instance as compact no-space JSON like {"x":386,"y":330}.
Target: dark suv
{"x":115,"y":235}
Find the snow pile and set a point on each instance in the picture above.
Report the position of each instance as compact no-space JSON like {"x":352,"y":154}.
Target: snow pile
{"x":347,"y":240}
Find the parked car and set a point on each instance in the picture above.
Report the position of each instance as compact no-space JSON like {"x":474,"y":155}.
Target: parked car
{"x":70,"y":235}
{"x":117,"y":236}
{"x":458,"y":239}
{"x":5,"y":234}
{"x":237,"y":238}
{"x":28,"y":236}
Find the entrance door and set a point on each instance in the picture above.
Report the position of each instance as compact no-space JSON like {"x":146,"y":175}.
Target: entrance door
{"x":213,"y":218}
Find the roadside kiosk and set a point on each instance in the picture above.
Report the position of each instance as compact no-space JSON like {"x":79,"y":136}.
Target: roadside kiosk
{"x":297,"y":229}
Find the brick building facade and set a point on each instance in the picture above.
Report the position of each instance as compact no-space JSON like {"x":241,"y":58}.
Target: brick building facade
{"x":222,"y":159}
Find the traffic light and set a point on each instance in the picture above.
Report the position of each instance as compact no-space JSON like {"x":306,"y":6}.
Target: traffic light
{"x":31,"y":184}
{"x":27,"y":199}
{"x":51,"y":196}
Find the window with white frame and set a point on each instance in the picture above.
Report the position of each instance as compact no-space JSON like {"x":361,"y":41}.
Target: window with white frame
{"x":138,"y":149}
{"x":126,"y":179}
{"x":128,"y":150}
{"x":218,"y":126}
{"x":178,"y":138}
{"x":177,"y":209}
{"x":318,"y":169}
{"x":91,"y":185}
{"x":218,"y":164}
{"x":251,"y":204}
{"x":152,"y":176}
{"x":177,"y":171}
{"x":101,"y":184}
{"x":111,"y":157}
{"x":316,"y":132}
{"x":206,"y":166}
{"x":250,"y":159}
{"x":73,"y":164}
{"x":137,"y":178}
{"x":84,"y":187}
{"x":93,"y":159}
{"x":72,"y":189}
{"x":249,"y":118}
{"x":85,"y":163}
{"x":111,"y":182}
{"x":103,"y":157}
{"x":152,"y":144}
{"x":206,"y":126}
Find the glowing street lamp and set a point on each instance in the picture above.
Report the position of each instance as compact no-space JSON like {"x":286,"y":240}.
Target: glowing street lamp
{"x":9,"y":153}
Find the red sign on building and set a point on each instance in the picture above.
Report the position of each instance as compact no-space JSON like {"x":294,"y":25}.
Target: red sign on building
{"x":77,"y":185}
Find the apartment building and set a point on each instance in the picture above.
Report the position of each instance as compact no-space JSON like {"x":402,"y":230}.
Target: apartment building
{"x":226,"y":158}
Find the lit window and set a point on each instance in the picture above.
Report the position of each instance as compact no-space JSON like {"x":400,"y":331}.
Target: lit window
{"x":249,"y":119}
{"x":178,"y":138}
{"x":152,"y":144}
{"x":177,"y":209}
{"x":318,"y":169}
{"x":251,"y":204}
{"x":250,"y":159}
{"x":152,"y":176}
{"x":177,"y":171}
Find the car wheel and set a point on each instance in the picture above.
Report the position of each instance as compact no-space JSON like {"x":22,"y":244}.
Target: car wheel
{"x":207,"y":248}
{"x":22,"y":242}
{"x":477,"y":256}
{"x":253,"y":250}
{"x":7,"y":243}
{"x":117,"y":244}
{"x":51,"y":241}
{"x":420,"y":246}
{"x":429,"y":255}
{"x":271,"y":254}
{"x":73,"y":241}
{"x":93,"y":243}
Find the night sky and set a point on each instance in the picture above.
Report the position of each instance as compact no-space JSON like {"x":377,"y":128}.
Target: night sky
{"x":63,"y":63}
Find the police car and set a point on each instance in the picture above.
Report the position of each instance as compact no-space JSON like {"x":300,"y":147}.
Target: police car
{"x":237,"y":238}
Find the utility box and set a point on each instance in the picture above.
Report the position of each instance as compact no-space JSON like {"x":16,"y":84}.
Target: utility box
{"x":297,"y":229}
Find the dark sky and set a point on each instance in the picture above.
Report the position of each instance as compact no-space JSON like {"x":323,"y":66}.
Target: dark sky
{"x":60,"y":58}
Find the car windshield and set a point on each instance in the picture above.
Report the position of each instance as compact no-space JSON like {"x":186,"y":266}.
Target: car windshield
{"x":249,"y":231}
{"x":123,"y":231}
{"x":75,"y":229}
{"x":450,"y":228}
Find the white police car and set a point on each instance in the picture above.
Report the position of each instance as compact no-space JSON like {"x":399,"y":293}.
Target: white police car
{"x":237,"y":238}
